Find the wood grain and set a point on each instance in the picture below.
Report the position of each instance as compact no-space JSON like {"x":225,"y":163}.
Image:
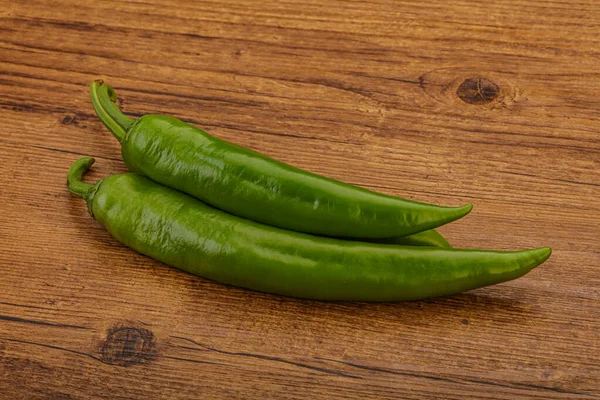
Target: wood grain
{"x":495,"y":103}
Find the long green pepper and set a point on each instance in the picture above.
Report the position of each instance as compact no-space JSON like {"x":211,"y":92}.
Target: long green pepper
{"x":185,"y":233}
{"x":251,"y":185}
{"x":425,"y":238}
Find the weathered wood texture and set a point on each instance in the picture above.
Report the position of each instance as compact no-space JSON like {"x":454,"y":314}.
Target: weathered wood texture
{"x":495,"y":103}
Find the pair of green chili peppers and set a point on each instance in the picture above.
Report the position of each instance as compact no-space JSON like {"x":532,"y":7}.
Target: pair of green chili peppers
{"x":230,"y":214}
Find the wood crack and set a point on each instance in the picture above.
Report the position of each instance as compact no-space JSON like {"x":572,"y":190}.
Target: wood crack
{"x":36,"y":322}
{"x":459,"y":379}
{"x":262,"y":357}
{"x":55,"y":149}
{"x":49,"y":346}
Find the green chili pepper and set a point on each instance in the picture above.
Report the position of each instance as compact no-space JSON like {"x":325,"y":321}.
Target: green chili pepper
{"x":425,"y":238}
{"x":183,"y":232}
{"x":431,"y":238}
{"x":251,"y":185}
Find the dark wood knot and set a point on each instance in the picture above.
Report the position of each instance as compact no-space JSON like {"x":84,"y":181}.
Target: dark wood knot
{"x":70,"y":120}
{"x":128,"y":346}
{"x":478,"y":91}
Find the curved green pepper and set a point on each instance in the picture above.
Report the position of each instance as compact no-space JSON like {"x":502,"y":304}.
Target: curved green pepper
{"x":430,"y":238}
{"x":183,"y":232}
{"x":425,"y":238}
{"x":251,"y":185}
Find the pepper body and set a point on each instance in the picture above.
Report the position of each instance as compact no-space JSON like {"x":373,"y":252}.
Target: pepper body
{"x":425,"y":238}
{"x":254,"y":186}
{"x":185,"y":233}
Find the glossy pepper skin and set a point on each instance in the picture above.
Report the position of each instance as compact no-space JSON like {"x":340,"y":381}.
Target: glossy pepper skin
{"x":251,"y":185}
{"x":185,"y":233}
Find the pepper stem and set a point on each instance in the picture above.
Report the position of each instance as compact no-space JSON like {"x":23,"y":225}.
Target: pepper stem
{"x":104,"y":99}
{"x":76,"y":185}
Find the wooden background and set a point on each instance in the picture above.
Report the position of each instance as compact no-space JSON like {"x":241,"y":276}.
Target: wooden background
{"x":495,"y":103}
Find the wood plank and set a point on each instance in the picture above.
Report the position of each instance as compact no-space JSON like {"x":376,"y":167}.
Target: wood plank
{"x":444,"y":102}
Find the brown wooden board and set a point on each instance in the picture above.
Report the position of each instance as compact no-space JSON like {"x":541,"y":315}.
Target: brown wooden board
{"x":495,"y":103}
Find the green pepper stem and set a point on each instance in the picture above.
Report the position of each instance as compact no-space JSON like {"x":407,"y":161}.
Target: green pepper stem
{"x":104,"y":99}
{"x":76,"y":185}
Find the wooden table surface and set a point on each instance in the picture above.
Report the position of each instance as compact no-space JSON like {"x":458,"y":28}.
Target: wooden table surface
{"x":495,"y":103}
